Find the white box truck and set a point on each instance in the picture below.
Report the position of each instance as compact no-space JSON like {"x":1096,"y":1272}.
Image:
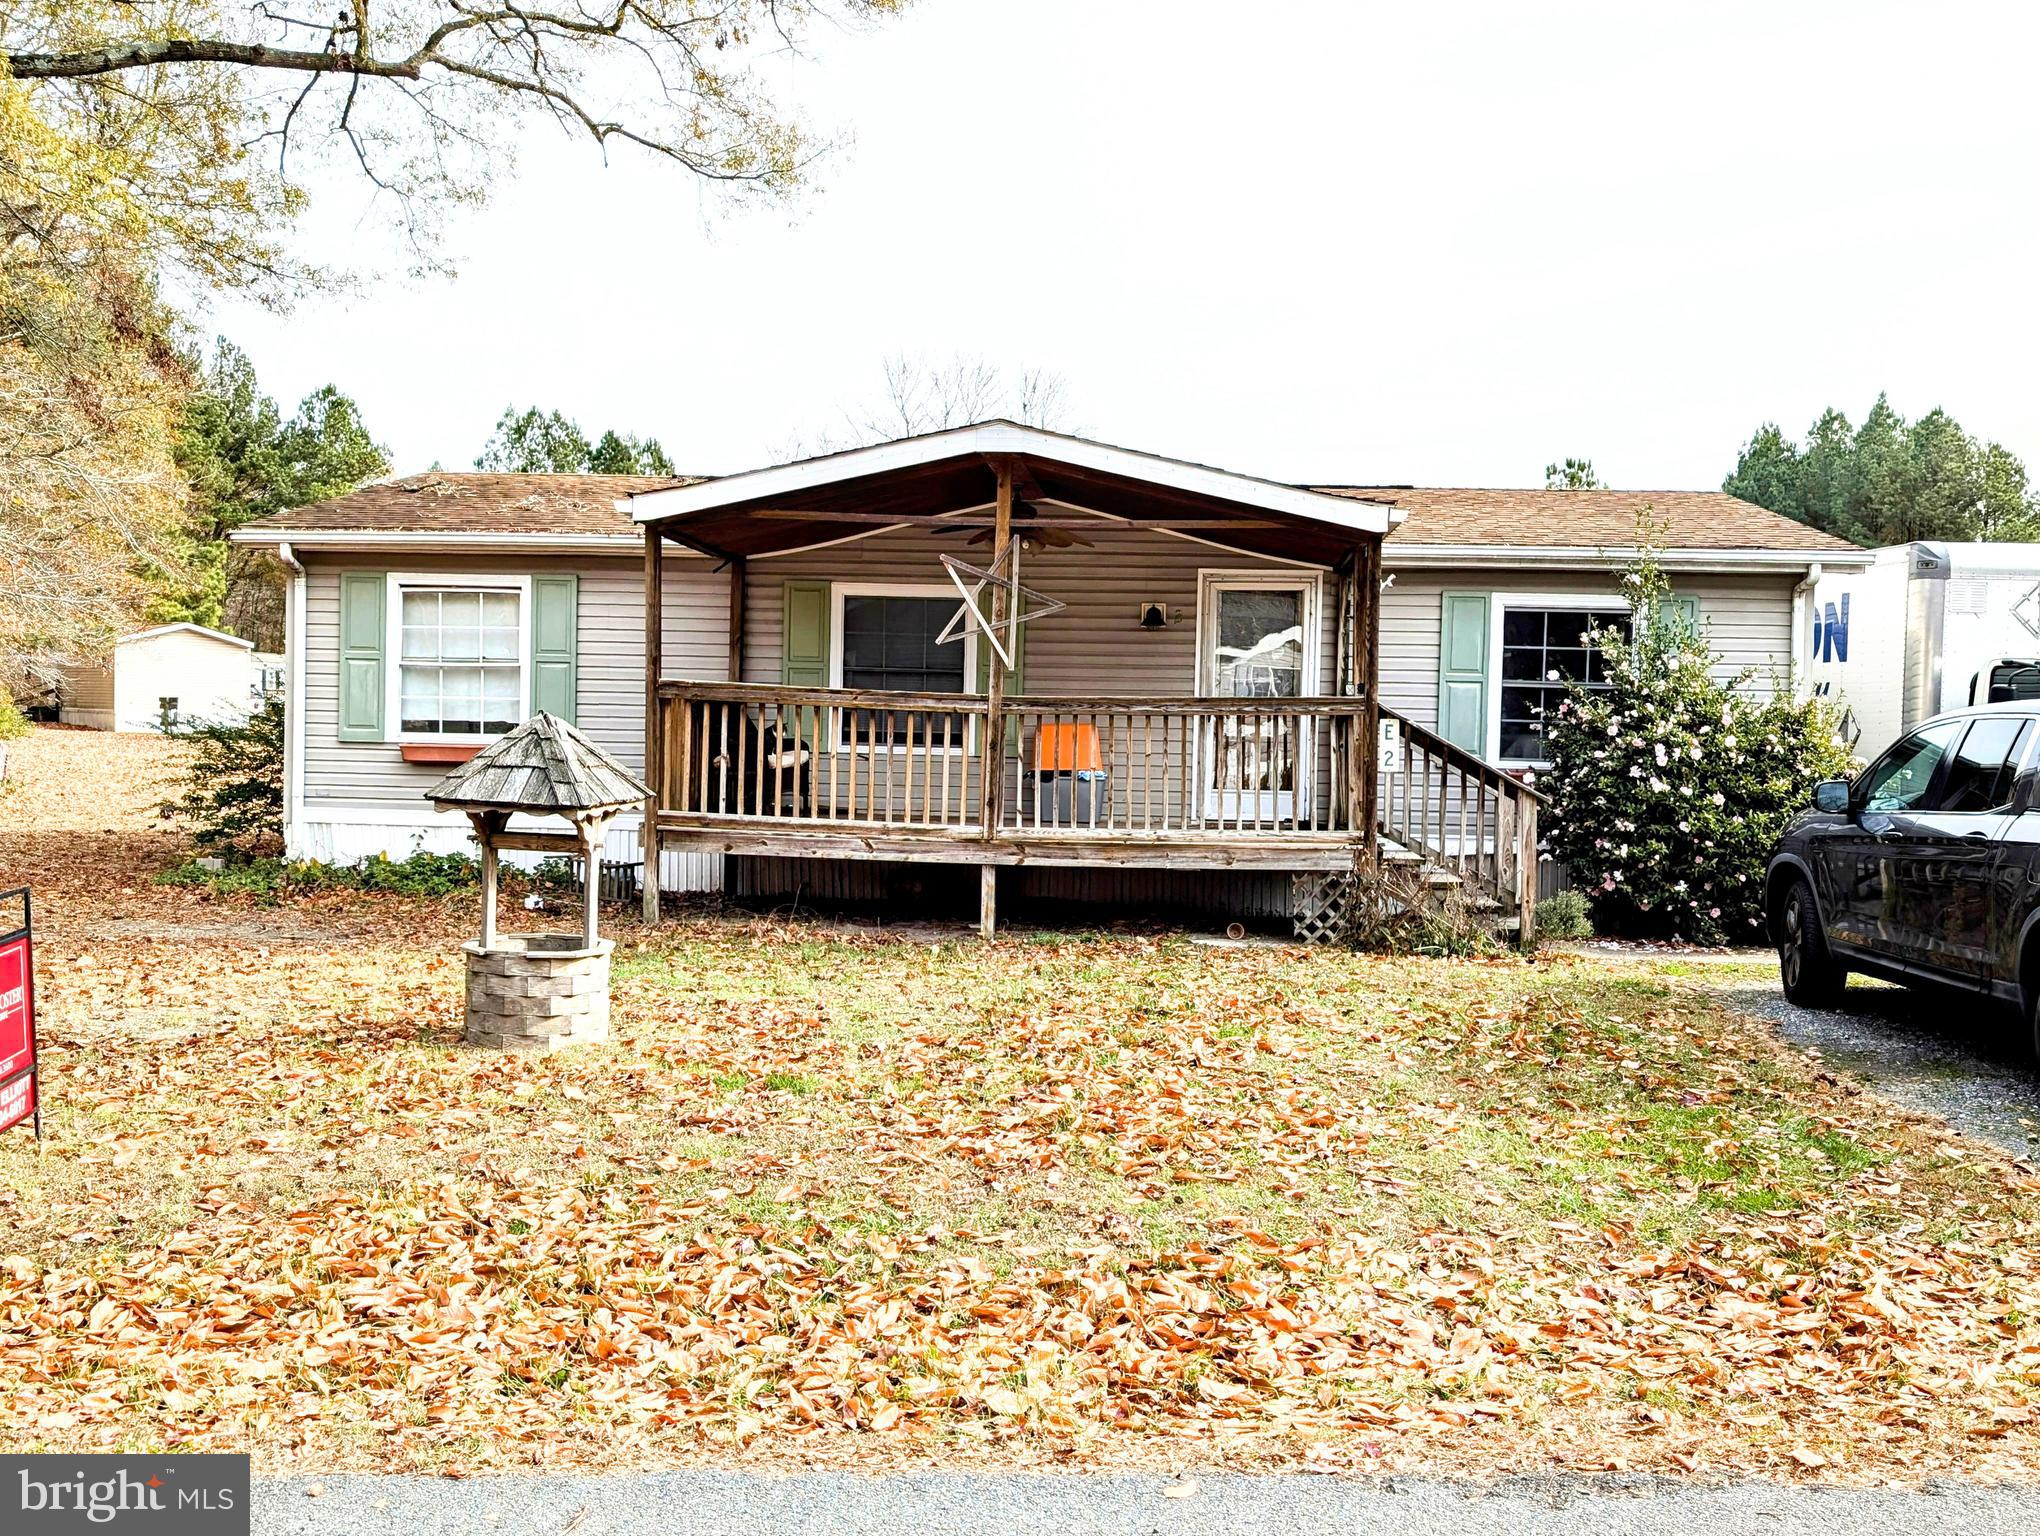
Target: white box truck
{"x":1926,"y":627}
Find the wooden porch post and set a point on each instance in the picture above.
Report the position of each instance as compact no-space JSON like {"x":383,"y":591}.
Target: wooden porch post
{"x":992,"y":740}
{"x":591,"y":842}
{"x":1365,"y":646}
{"x":488,"y":841}
{"x":488,"y":825}
{"x":739,"y":573}
{"x":655,"y":620}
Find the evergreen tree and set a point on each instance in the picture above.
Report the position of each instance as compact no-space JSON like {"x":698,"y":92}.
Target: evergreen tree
{"x":532,"y":441}
{"x":242,"y":459}
{"x":1889,"y":481}
{"x":1572,"y":475}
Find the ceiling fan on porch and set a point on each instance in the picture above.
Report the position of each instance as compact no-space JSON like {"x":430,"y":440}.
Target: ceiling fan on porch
{"x":1045,"y":538}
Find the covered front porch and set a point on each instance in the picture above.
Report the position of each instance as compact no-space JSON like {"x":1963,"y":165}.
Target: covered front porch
{"x":1144,"y":664}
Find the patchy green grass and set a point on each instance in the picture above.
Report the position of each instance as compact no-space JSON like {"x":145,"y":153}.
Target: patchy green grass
{"x":963,"y":1124}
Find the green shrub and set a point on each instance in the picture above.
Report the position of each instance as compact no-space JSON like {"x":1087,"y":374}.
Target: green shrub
{"x":1564,"y":915}
{"x":561,"y":876}
{"x":13,"y":723}
{"x":1669,"y":787}
{"x":420,"y":874}
{"x":233,"y":783}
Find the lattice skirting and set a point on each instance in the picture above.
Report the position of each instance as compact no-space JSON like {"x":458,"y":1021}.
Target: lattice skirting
{"x":1322,"y":906}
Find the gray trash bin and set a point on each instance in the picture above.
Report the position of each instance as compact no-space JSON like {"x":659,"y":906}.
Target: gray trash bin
{"x":1069,"y":799}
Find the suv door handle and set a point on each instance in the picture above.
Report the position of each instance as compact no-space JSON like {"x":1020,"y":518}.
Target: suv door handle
{"x":1976,"y":837}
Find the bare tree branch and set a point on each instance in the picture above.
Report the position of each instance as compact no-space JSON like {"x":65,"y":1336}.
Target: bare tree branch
{"x":148,"y":53}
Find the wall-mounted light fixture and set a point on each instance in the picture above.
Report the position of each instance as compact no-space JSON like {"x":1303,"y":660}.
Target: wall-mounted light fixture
{"x":1154,"y":615}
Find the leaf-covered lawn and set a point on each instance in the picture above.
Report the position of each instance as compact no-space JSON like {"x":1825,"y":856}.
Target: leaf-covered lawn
{"x":833,"y":1196}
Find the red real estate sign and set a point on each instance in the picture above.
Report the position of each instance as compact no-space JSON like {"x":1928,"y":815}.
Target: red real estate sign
{"x":17,"y":1022}
{"x":17,"y":1100}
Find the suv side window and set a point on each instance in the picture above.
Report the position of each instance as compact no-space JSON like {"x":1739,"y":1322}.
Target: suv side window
{"x":1980,"y":774}
{"x":1900,"y":779}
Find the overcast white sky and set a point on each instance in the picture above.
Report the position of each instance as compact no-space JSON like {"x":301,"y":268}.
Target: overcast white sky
{"x":1442,"y":243}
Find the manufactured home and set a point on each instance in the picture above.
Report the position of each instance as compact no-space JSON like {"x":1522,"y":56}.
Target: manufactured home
{"x":1053,"y":668}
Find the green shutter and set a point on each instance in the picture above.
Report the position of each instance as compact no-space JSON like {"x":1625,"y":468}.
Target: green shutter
{"x":804,"y":637}
{"x":1462,"y":670}
{"x":555,"y":626}
{"x":1016,"y":676}
{"x":1683,"y":611}
{"x":361,"y":655}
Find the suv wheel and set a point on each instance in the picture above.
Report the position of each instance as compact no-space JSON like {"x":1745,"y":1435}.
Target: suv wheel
{"x":1812,"y":976}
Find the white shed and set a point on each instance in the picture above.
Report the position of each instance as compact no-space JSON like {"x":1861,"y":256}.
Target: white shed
{"x":174,"y":673}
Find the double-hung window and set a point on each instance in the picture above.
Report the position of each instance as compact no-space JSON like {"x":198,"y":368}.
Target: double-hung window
{"x":460,"y":657}
{"x":889,"y":645}
{"x":1543,"y":650}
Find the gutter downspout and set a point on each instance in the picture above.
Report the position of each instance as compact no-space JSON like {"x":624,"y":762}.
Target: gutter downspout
{"x":293,"y":694}
{"x":1802,"y":630}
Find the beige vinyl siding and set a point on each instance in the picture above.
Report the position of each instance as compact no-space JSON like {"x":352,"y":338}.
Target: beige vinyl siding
{"x":1094,"y":646}
{"x":610,"y":691}
{"x":86,"y":686}
{"x":1747,"y":620}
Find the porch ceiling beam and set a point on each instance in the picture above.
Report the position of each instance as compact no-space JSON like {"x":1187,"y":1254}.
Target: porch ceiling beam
{"x":1110,"y":495}
{"x":688,"y":541}
{"x":1025,"y":486}
{"x":953,"y":520}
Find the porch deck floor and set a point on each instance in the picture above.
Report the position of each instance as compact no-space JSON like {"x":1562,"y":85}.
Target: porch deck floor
{"x":1073,"y":847}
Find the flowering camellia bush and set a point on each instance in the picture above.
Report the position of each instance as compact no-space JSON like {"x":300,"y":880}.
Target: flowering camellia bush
{"x":1669,"y":785}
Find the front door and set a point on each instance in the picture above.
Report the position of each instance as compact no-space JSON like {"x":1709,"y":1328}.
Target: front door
{"x":1257,"y":639}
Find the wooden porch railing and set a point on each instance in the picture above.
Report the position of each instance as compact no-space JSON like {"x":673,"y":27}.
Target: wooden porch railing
{"x":1241,"y":771}
{"x":819,"y":756}
{"x":1265,"y":767}
{"x":1091,"y":766}
{"x":1461,"y":814}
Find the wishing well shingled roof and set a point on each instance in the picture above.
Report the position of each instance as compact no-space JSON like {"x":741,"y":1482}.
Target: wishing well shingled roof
{"x":544,"y":767}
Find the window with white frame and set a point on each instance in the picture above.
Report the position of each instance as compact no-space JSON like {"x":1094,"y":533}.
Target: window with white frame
{"x":460,"y":658}
{"x":889,"y":643}
{"x":886,"y":642}
{"x":1543,"y":650}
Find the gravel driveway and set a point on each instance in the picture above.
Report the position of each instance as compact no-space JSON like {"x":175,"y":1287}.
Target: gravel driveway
{"x":1941,"y":1053}
{"x":700,"y":1503}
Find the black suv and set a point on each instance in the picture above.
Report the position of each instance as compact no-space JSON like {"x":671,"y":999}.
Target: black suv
{"x":1923,"y":870}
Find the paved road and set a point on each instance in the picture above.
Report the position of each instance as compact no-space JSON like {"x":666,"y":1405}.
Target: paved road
{"x":1942,"y":1053}
{"x":698,"y":1503}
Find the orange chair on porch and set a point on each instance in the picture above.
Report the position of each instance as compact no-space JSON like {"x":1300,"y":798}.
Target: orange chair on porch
{"x":1066,"y":749}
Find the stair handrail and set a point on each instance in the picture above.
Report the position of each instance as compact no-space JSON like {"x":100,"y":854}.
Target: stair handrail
{"x":1518,"y":828}
{"x":1467,"y":762}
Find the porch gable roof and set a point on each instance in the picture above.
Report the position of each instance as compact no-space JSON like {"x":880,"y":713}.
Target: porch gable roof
{"x":946,"y":477}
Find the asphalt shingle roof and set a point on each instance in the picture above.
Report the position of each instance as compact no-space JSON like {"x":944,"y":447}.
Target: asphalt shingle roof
{"x":463,"y":502}
{"x":441,"y":501}
{"x":1588,"y":519}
